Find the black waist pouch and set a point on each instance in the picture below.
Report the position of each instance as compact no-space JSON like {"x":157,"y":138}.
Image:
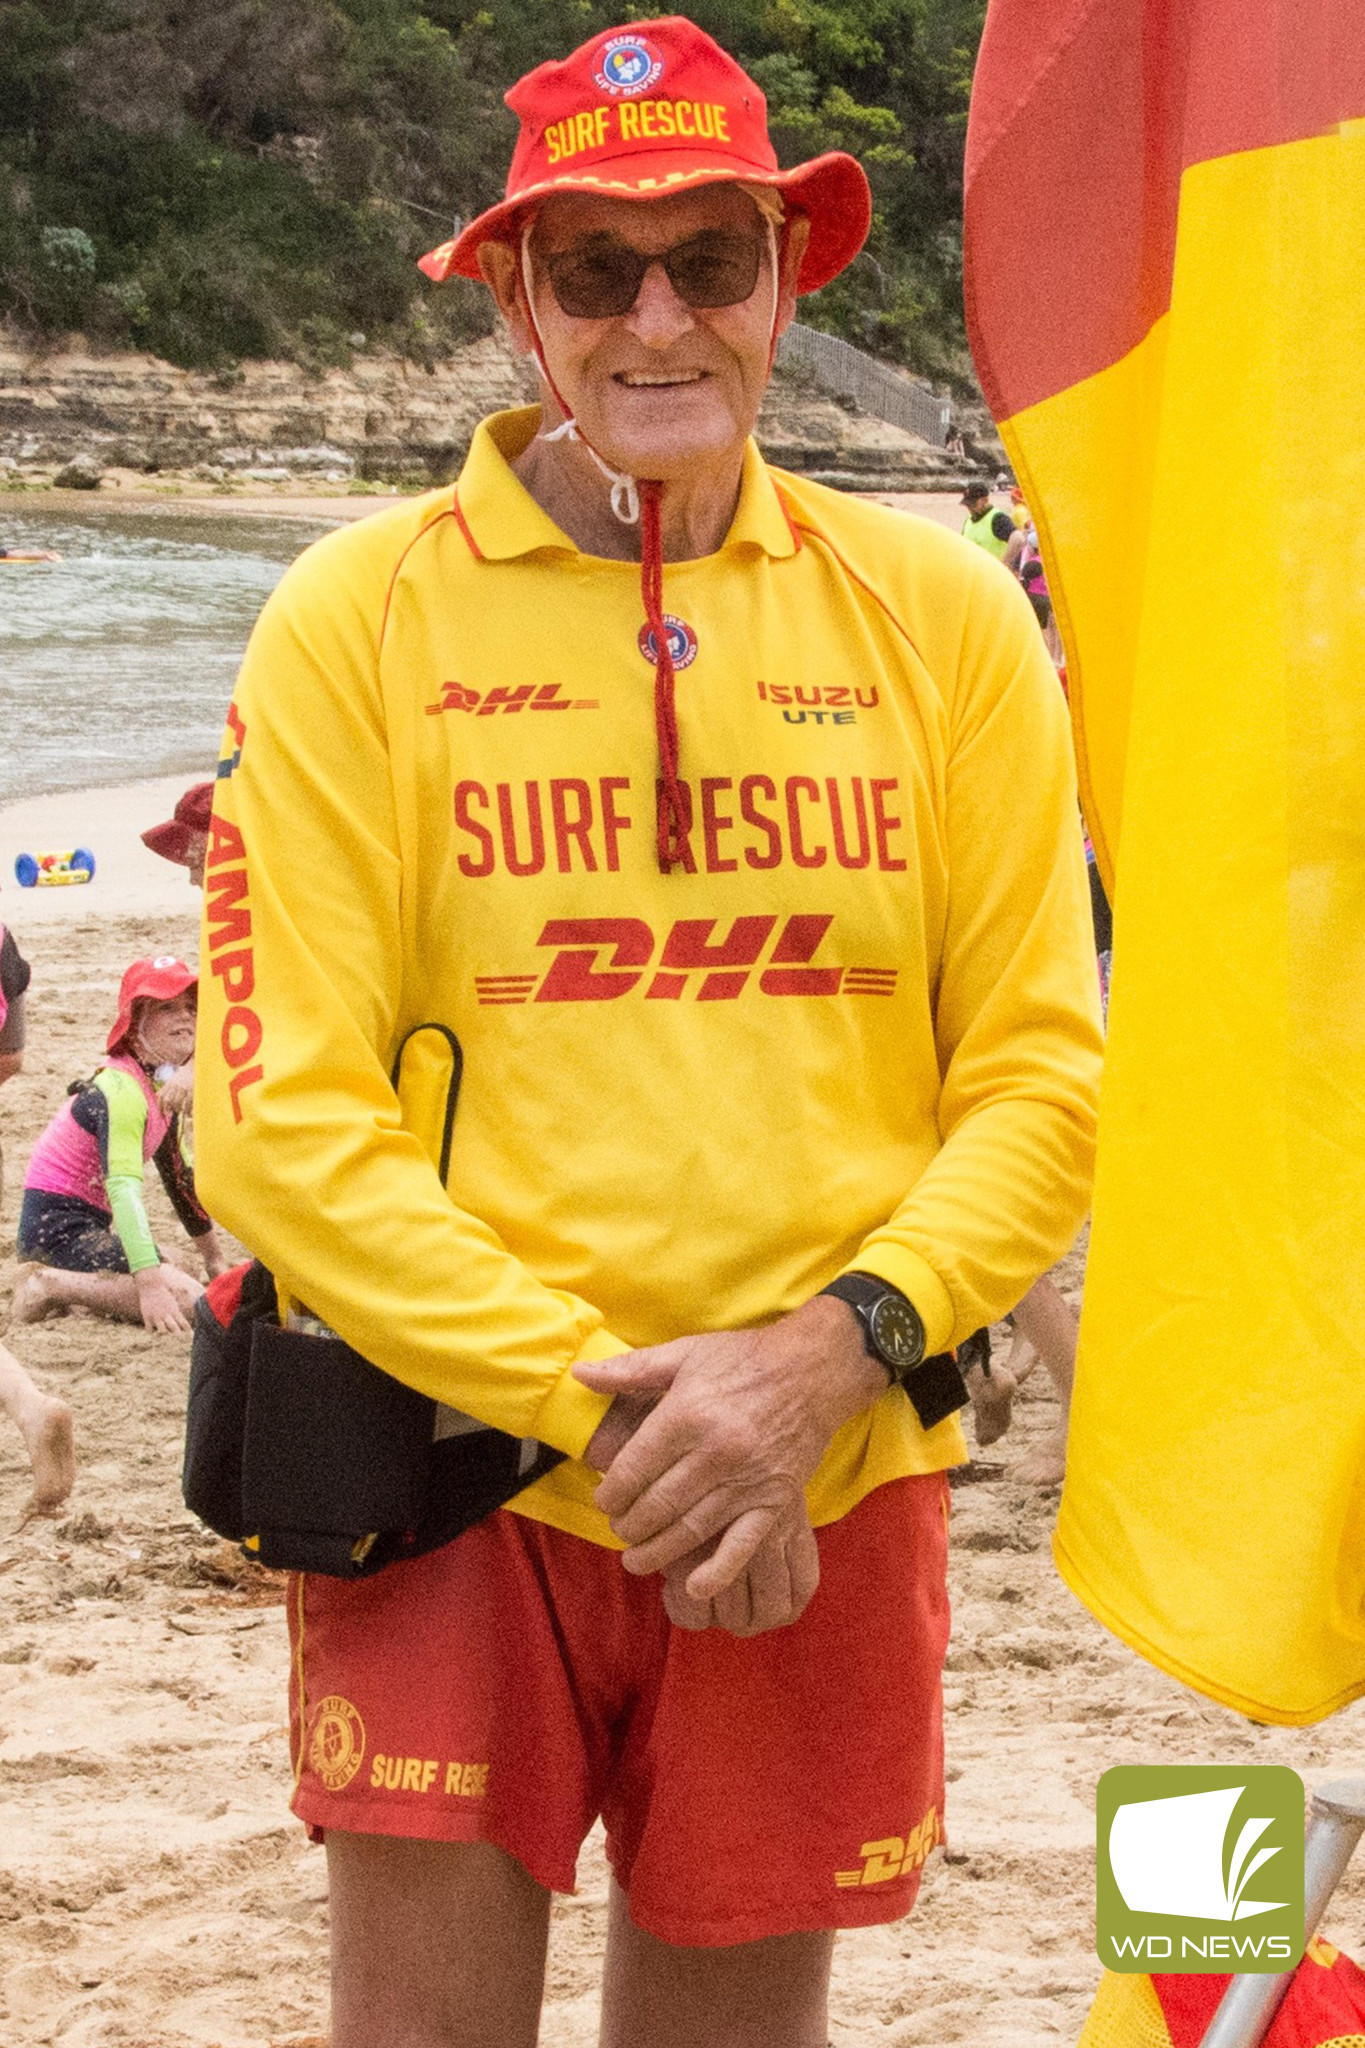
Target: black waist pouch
{"x":315,"y":1460}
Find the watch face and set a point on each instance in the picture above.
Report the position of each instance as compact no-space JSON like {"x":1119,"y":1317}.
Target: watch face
{"x":897,"y":1331}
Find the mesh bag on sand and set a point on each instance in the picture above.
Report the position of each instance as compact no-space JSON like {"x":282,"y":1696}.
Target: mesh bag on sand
{"x":1325,"y":2007}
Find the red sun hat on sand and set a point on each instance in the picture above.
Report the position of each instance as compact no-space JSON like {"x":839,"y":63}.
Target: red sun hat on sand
{"x":189,"y":818}
{"x":649,"y":109}
{"x":162,"y":979}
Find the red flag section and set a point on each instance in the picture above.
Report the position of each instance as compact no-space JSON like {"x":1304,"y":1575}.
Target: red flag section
{"x":1165,"y":243}
{"x":1086,"y":114}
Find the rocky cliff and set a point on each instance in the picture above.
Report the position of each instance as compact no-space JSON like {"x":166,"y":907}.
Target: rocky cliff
{"x":382,"y":418}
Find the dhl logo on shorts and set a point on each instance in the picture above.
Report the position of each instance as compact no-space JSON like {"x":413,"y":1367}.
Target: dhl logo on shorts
{"x":522,"y":697}
{"x":598,"y":959}
{"x":897,"y":1856}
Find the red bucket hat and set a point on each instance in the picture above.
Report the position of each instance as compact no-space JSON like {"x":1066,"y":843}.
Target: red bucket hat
{"x":647,"y":110}
{"x":189,"y":818}
{"x":161,"y":979}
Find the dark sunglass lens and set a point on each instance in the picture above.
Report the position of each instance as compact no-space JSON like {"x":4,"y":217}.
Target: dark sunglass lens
{"x":596,"y":284}
{"x":715,"y":269}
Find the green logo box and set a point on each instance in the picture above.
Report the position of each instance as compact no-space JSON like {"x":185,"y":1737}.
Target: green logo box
{"x":1200,"y":1869}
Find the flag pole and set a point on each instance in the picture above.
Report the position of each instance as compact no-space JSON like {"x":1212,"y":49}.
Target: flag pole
{"x":1336,"y":1823}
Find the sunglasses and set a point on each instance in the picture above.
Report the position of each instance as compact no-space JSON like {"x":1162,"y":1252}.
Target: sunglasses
{"x":599,"y":278}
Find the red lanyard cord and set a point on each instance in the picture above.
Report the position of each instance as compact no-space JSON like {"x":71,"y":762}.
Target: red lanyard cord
{"x":671,"y":839}
{"x":672,"y":825}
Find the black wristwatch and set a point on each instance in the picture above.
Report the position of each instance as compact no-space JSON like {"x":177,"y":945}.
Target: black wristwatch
{"x":894,"y":1335}
{"x":892,"y":1330}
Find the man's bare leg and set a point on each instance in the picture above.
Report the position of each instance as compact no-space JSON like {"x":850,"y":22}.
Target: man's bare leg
{"x":46,"y":1427}
{"x":1046,"y":1321}
{"x":434,"y":1945}
{"x":760,"y":1994}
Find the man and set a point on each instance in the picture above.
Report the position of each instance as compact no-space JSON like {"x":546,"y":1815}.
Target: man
{"x":981,"y":523}
{"x":674,"y":787}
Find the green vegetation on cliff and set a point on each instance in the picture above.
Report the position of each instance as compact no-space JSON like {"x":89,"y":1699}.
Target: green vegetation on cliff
{"x":218,"y":179}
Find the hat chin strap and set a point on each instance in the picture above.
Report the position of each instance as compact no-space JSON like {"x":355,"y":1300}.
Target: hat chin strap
{"x":625,"y":489}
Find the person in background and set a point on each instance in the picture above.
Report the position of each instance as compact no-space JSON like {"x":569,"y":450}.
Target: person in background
{"x":184,"y":838}
{"x":83,"y":1216}
{"x":989,"y":529}
{"x":44,"y":1422}
{"x":46,"y":1426}
{"x":1045,"y":1328}
{"x":15,"y":975}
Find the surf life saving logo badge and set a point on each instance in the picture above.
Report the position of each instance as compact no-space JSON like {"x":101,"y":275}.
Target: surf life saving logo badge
{"x":1200,"y":1869}
{"x":682,"y":642}
{"x":627,"y":65}
{"x":336,"y":1745}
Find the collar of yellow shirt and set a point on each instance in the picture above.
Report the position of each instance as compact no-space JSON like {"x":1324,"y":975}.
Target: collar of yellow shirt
{"x":503,"y":520}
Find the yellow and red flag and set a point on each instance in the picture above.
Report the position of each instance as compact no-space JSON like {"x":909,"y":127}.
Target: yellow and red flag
{"x":1323,"y":2008}
{"x":1165,"y":260}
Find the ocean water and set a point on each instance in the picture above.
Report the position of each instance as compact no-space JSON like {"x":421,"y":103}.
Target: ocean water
{"x":118,"y":662}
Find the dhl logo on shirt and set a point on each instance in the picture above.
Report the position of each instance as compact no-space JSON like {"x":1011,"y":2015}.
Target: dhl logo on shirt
{"x":897,"y":1856}
{"x":599,"y":959}
{"x":522,"y":697}
{"x":636,"y":121}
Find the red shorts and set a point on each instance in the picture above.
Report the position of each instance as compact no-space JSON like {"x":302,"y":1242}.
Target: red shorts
{"x":514,"y":1685}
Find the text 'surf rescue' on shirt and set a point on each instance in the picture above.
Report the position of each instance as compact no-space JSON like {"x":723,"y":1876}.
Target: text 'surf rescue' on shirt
{"x":732,"y":822}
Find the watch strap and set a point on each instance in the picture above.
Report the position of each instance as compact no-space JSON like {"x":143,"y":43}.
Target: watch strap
{"x":935,"y":1386}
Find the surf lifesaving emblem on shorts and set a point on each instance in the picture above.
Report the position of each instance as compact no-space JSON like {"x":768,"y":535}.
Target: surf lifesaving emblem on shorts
{"x":897,"y":1856}
{"x":336,"y":1747}
{"x":682,"y":642}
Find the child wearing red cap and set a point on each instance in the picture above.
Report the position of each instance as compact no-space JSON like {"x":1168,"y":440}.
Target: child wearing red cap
{"x":83,"y":1222}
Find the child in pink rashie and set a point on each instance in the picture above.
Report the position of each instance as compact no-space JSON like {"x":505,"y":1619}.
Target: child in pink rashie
{"x":83,"y":1221}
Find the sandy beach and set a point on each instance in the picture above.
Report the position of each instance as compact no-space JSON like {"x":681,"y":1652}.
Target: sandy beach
{"x":154,"y":1890}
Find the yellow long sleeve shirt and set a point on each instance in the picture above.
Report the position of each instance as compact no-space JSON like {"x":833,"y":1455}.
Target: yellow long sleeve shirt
{"x":857,"y":1029}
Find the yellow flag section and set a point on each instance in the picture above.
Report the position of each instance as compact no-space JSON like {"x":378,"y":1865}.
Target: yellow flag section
{"x":1214,"y":1514}
{"x":1190,"y":430}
